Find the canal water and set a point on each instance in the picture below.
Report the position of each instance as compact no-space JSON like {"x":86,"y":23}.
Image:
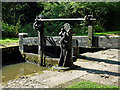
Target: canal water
{"x":14,"y":71}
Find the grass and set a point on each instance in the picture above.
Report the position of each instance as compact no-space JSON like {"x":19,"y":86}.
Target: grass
{"x":107,"y":33}
{"x":102,"y":33}
{"x":88,"y":84}
{"x":5,"y":41}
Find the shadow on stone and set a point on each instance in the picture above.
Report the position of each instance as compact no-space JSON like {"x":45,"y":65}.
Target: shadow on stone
{"x":94,"y":71}
{"x":100,"y":60}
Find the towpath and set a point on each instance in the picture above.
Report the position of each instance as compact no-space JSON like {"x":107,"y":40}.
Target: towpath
{"x":100,"y":67}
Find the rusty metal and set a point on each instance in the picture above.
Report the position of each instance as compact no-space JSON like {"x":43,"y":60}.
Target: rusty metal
{"x":90,"y":31}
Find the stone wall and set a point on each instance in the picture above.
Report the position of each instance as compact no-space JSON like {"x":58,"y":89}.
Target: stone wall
{"x":98,"y":41}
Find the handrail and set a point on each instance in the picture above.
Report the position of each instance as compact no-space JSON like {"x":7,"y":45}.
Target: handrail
{"x":65,"y":19}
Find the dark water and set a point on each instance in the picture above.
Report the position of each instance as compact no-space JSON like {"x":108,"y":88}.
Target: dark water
{"x":10,"y":72}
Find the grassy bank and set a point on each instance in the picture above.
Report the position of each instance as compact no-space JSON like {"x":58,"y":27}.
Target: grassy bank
{"x":88,"y":84}
{"x":9,"y":41}
{"x":108,"y":33}
{"x":103,"y":33}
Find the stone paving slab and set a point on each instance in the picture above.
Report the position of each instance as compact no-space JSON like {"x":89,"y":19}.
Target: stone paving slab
{"x":94,"y":68}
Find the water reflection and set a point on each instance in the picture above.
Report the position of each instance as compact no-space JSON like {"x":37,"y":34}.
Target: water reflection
{"x":16,"y":70}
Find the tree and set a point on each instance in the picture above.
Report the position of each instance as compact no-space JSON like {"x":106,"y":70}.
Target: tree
{"x":25,"y":11}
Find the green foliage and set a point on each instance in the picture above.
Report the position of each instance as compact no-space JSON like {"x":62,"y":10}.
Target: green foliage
{"x":63,"y":10}
{"x":98,"y":27}
{"x":9,"y":30}
{"x":28,"y":28}
{"x":100,"y":10}
{"x":26,"y":11}
{"x":106,"y":13}
{"x":87,"y":84}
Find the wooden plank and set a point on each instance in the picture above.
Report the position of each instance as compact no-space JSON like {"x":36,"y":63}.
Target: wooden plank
{"x":82,"y":41}
{"x":21,"y":41}
{"x":90,"y":36}
{"x":30,"y":41}
{"x":41,"y":44}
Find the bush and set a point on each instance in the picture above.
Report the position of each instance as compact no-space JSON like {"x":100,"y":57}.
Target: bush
{"x":9,"y":30}
{"x":98,"y":27}
{"x":28,"y":28}
{"x":52,"y":28}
